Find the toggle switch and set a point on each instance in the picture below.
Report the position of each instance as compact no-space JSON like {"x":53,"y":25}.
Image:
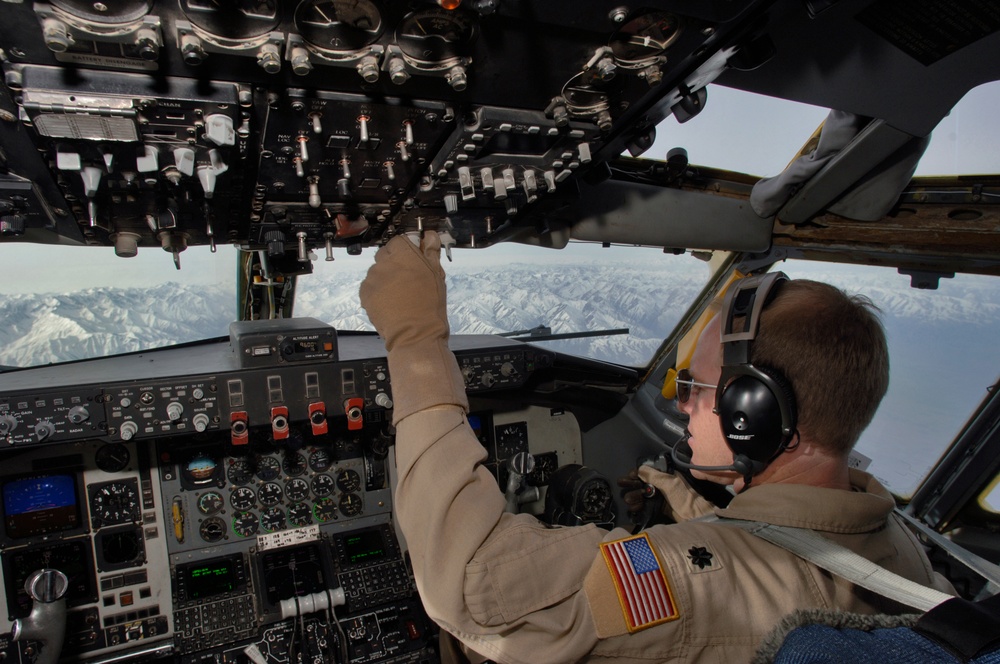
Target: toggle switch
{"x":363,"y":122}
{"x":279,"y":422}
{"x":239,"y":429}
{"x":317,"y":418}
{"x":355,"y":415}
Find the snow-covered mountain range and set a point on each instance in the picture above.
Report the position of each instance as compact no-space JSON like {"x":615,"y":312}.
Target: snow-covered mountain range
{"x":943,"y":342}
{"x":646,"y":299}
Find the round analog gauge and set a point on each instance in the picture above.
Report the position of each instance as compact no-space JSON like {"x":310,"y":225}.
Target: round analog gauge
{"x":320,"y":460}
{"x":297,"y":489}
{"x":545,"y":465}
{"x":243,"y":498}
{"x":245,"y":524}
{"x":211,"y":502}
{"x":341,"y":26}
{"x":119,"y":11}
{"x":322,"y":485}
{"x":350,"y":504}
{"x":299,"y":514}
{"x":272,"y":519}
{"x":348,"y":480}
{"x":114,"y":502}
{"x":112,"y":458}
{"x":200,"y":469}
{"x":294,"y":464}
{"x":269,"y":494}
{"x":233,"y":19}
{"x":268,"y":468}
{"x":645,"y":37}
{"x":239,"y":471}
{"x":325,"y":510}
{"x":511,"y":439}
{"x":436,"y":34}
{"x":212,"y":529}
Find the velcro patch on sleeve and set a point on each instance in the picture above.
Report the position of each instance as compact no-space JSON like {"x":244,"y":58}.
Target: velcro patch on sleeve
{"x":643,"y":590}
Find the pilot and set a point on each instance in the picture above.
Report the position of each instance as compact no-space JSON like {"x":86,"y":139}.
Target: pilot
{"x":513,"y":589}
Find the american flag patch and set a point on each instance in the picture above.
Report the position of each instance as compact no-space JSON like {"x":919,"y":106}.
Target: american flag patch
{"x":642,"y":586}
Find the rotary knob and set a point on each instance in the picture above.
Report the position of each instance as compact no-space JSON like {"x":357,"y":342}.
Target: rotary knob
{"x":129,"y":429}
{"x":7,"y":424}
{"x":78,"y":414}
{"x":507,"y":369}
{"x":383,"y":400}
{"x":44,"y":430}
{"x":174,"y":411}
{"x":488,"y":379}
{"x":200,"y":422}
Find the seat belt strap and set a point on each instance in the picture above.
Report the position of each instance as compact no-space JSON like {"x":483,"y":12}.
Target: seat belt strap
{"x":843,"y":562}
{"x":977,"y":564}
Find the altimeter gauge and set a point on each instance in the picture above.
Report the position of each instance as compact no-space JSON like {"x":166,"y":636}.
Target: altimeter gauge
{"x":340,"y":26}
{"x":114,"y":502}
{"x":436,"y":34}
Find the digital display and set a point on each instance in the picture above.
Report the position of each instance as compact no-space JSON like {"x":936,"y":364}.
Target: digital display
{"x":40,"y":505}
{"x":363,"y":547}
{"x":215,"y":577}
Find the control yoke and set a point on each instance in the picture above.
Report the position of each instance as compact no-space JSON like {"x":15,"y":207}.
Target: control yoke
{"x":47,"y":621}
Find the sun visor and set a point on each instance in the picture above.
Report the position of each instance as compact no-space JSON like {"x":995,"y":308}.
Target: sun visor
{"x":840,"y":177}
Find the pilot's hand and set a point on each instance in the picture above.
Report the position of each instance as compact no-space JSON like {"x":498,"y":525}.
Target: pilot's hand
{"x":405,"y":297}
{"x":634,"y":491}
{"x":404,"y":292}
{"x":679,"y":502}
{"x":643,"y":502}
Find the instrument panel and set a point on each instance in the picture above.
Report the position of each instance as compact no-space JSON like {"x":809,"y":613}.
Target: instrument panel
{"x":225,"y":541}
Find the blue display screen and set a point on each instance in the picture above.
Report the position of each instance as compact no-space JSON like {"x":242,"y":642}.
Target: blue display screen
{"x":40,"y":505}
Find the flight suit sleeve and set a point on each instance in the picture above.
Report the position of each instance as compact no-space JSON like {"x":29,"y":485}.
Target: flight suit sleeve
{"x":508,"y":586}
{"x":681,"y":502}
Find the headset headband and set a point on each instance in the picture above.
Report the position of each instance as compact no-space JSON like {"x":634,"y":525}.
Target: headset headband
{"x":745,"y":299}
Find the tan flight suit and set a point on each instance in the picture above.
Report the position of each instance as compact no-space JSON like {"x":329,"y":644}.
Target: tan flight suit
{"x":516,"y":590}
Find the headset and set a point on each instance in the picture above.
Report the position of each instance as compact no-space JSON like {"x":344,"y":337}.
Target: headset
{"x":755,"y":405}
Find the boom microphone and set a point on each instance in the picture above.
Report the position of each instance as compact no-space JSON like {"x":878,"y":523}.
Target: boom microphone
{"x":742,"y":464}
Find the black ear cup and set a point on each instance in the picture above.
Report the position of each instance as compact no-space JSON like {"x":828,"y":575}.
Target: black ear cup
{"x":757,"y":414}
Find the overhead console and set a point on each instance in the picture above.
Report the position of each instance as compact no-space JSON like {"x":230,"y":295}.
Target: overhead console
{"x":290,"y":127}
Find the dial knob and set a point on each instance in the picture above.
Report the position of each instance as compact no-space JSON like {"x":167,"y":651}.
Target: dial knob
{"x":507,"y":369}
{"x":174,"y":411}
{"x":44,"y":430}
{"x":383,"y":400}
{"x":7,"y":424}
{"x":488,"y":379}
{"x":129,"y":429}
{"x":78,"y":414}
{"x":200,"y":422}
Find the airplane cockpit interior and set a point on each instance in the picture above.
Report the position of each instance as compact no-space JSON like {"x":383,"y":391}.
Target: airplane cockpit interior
{"x":204,"y":471}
